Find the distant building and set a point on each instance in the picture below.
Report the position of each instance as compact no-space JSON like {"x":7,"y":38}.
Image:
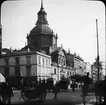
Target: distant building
{"x":70,"y":63}
{"x":94,"y":73}
{"x":88,"y":69}
{"x":79,"y":65}
{"x":76,"y":63}
{"x":59,"y":63}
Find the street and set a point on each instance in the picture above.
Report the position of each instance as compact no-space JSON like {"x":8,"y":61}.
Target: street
{"x":67,"y":98}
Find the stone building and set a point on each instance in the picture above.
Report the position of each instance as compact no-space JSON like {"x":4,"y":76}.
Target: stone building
{"x":41,"y":57}
{"x":27,"y":63}
{"x":76,"y":63}
{"x":70,"y":63}
{"x":79,"y":65}
{"x":59,"y":63}
{"x":94,"y":73}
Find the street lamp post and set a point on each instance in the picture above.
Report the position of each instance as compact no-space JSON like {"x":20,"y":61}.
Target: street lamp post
{"x":97,"y":48}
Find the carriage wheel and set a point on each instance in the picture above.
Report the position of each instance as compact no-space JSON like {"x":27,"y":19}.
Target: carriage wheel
{"x":25,"y":98}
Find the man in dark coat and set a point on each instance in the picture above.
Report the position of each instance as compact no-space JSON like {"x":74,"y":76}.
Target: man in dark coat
{"x":56,"y":89}
{"x":7,"y":93}
{"x":86,"y":84}
{"x":73,"y":85}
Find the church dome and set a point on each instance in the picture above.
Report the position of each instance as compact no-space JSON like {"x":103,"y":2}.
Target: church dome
{"x":41,"y":28}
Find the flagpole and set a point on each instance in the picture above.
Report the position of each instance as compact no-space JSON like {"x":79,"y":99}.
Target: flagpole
{"x":97,"y":48}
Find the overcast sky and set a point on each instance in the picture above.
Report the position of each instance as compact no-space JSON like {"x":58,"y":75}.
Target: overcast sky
{"x":73,"y":20}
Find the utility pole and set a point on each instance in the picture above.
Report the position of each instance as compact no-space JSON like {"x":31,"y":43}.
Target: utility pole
{"x":0,"y":40}
{"x":97,"y":48}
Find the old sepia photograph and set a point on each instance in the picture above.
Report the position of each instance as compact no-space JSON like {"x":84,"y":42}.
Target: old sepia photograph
{"x":52,"y":52}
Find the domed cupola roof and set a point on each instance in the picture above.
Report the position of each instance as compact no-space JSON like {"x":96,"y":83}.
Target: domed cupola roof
{"x":42,"y":23}
{"x":41,"y":29}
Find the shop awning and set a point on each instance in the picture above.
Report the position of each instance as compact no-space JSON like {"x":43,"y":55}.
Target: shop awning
{"x":2,"y":78}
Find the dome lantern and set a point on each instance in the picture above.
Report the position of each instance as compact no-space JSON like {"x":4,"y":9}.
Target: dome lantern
{"x":42,"y":16}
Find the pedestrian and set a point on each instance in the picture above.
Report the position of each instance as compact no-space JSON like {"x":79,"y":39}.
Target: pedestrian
{"x":7,"y":93}
{"x":73,"y":85}
{"x":85,"y":86}
{"x":56,"y":89}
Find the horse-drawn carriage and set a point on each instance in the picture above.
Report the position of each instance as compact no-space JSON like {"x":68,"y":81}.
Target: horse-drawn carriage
{"x":29,"y":88}
{"x":38,"y":92}
{"x":35,"y":90}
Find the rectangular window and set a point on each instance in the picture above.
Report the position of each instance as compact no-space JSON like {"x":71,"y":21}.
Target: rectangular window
{"x":28,"y":68}
{"x":49,"y":63}
{"x":39,"y":70}
{"x":59,"y":60}
{"x":17,"y":60}
{"x":46,"y":63}
{"x":43,"y":62}
{"x":17,"y":71}
{"x":70,"y":73}
{"x":28,"y":60}
{"x":6,"y":71}
{"x":67,"y":73}
{"x":39,"y":60}
{"x":64,"y":62}
{"x":54,"y":70}
{"x":7,"y":61}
